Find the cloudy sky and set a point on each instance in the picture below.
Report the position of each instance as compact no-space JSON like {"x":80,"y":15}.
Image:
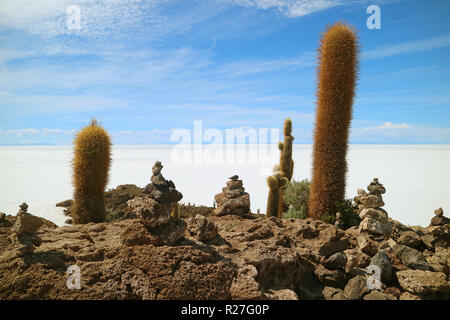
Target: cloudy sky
{"x":144,"y":68}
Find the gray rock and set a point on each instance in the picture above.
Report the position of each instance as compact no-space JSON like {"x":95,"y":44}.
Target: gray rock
{"x":377,"y":214}
{"x":410,"y":257}
{"x":160,"y":189}
{"x":375,"y":227}
{"x":332,"y":278}
{"x":2,"y":216}
{"x":336,"y":260}
{"x":371,"y":201}
{"x":382,"y":261}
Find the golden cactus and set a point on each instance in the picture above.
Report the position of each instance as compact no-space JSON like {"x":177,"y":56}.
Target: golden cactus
{"x":286,"y":162}
{"x":91,"y":163}
{"x":275,"y":183}
{"x":337,"y":75}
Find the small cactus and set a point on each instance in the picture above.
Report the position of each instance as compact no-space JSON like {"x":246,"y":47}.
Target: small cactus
{"x":275,"y":182}
{"x":91,"y":162}
{"x":286,"y":162}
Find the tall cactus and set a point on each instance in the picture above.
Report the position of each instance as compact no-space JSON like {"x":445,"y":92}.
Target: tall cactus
{"x":286,"y":162}
{"x":275,"y":182}
{"x":337,"y":74}
{"x":91,"y":162}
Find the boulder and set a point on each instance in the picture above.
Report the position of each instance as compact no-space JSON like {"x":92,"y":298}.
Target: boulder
{"x":336,"y":260}
{"x":331,"y":240}
{"x":150,"y":211}
{"x":356,"y":288}
{"x":377,"y":214}
{"x":422,"y":283}
{"x":410,"y":239}
{"x":410,"y":257}
{"x":375,"y":227}
{"x":382,"y":261}
{"x":330,"y":293}
{"x":201,"y":228}
{"x":376,"y":295}
{"x":366,"y":245}
{"x":332,"y":278}
{"x":371,"y":201}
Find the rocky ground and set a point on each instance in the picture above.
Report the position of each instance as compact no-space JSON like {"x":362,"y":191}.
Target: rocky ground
{"x":231,"y":254}
{"x":226,"y":257}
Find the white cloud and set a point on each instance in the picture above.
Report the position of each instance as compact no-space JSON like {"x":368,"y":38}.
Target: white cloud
{"x":389,"y":125}
{"x":408,"y":47}
{"x":291,"y":8}
{"x":399,"y":133}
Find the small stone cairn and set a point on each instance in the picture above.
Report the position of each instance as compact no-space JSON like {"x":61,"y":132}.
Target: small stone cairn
{"x":374,"y":218}
{"x":439,"y":219}
{"x":233,"y":199}
{"x":154,"y":211}
{"x":23,"y":233}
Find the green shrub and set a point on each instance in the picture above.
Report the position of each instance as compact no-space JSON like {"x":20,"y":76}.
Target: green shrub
{"x":349,"y":215}
{"x":296,"y":196}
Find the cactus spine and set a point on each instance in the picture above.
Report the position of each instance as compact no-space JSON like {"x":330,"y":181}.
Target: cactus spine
{"x":337,"y":74}
{"x":286,"y":162}
{"x":91,"y":162}
{"x":275,"y":182}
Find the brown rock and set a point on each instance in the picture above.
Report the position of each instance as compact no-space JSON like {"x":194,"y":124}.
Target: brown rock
{"x":376,"y":295}
{"x":410,"y":239}
{"x":201,"y":228}
{"x":420,"y":282}
{"x":138,"y":233}
{"x":366,"y":245}
{"x":26,"y":222}
{"x":439,"y":212}
{"x":356,"y":288}
{"x":152,"y":212}
{"x":330,"y":293}
{"x":232,"y":200}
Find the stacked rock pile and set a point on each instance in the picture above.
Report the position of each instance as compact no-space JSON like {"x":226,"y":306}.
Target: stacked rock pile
{"x":374,"y":218}
{"x":23,"y":233}
{"x":154,"y":212}
{"x":439,"y":219}
{"x":233,"y":199}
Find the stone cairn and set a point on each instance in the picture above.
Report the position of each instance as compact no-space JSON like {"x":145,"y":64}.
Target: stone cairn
{"x":439,"y":219}
{"x":374,"y":218}
{"x":154,"y":212}
{"x":23,"y":234}
{"x":233,"y":199}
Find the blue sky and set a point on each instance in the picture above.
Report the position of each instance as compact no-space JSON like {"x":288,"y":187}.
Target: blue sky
{"x":144,"y":68}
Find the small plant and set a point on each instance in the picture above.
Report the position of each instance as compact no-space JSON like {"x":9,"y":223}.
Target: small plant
{"x":296,"y":197}
{"x":91,"y":162}
{"x":349,"y":216}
